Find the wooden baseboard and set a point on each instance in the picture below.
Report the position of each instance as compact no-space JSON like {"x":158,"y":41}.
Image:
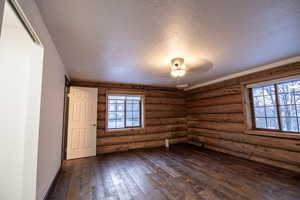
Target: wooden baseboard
{"x":51,"y":188}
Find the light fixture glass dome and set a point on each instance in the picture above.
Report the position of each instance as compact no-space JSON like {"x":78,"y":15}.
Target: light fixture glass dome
{"x":177,"y":73}
{"x":178,"y":68}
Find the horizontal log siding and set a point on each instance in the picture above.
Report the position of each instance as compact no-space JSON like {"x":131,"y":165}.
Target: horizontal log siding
{"x":215,"y":118}
{"x":165,"y":117}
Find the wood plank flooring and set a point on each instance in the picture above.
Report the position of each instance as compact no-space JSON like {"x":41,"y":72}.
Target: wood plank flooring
{"x":183,"y":172}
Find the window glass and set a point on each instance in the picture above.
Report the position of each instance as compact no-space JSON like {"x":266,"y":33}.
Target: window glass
{"x":277,"y":106}
{"x":289,"y":124}
{"x":124,"y":111}
{"x":260,"y":122}
{"x":272,"y":123}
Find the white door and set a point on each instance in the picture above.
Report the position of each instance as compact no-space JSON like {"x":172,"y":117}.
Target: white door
{"x":82,"y":126}
{"x":21,"y":77}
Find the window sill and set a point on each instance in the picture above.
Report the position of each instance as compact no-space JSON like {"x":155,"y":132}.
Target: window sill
{"x":273,"y":134}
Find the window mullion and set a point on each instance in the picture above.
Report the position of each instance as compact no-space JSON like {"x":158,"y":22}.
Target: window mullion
{"x":125,"y":117}
{"x":295,"y":105}
{"x":253,"y":116}
{"x":140,"y":111}
{"x":265,"y":109}
{"x":277,"y":107}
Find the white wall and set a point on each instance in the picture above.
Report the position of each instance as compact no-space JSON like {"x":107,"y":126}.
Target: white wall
{"x":51,"y":110}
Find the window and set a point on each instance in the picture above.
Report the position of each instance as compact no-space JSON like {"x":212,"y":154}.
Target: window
{"x":276,"y":105}
{"x":124,"y":111}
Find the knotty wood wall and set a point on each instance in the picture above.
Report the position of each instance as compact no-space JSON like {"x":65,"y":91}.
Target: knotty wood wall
{"x":215,"y":118}
{"x":164,"y":117}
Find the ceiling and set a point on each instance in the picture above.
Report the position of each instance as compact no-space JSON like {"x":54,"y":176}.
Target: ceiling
{"x":133,"y":41}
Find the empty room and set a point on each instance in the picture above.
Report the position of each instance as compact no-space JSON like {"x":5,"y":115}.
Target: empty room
{"x":150,"y":100}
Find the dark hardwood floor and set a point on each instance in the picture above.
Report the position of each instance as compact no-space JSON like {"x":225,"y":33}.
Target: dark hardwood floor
{"x":183,"y":172}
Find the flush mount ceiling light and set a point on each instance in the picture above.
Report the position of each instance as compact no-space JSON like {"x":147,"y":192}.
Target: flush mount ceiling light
{"x":178,"y":68}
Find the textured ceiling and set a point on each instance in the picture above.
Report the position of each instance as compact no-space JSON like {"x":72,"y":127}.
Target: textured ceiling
{"x":132,"y":41}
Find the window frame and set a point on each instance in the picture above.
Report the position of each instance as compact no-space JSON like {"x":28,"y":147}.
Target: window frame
{"x":248,"y":107}
{"x":125,"y":93}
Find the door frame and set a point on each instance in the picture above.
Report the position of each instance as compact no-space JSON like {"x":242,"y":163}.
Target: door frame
{"x":65,"y":119}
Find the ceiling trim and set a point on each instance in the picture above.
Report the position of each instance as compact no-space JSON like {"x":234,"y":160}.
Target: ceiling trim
{"x":246,"y":72}
{"x":89,"y":83}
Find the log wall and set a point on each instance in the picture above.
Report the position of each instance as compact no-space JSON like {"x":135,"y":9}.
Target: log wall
{"x":216,"y":120}
{"x":164,"y":117}
{"x":211,"y":115}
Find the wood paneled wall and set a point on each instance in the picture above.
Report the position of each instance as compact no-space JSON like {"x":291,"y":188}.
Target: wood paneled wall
{"x":164,"y":117}
{"x":215,"y":118}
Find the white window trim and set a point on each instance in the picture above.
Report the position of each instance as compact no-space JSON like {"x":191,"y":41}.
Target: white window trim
{"x":125,"y":93}
{"x":249,"y":129}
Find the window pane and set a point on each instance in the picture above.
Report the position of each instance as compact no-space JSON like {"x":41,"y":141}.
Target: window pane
{"x":120,"y":101}
{"x":128,"y":115}
{"x":285,"y":87}
{"x":289,"y":124}
{"x":121,"y":107}
{"x":112,"y":115}
{"x":112,"y":106}
{"x":111,"y":123}
{"x":128,"y":122}
{"x":133,"y":97}
{"x":271,"y":111}
{"x":298,"y":110}
{"x":258,"y":91}
{"x":286,"y":99}
{"x":265,"y":107}
{"x":259,"y":101}
{"x":297,"y":97}
{"x":270,"y":100}
{"x":120,"y":115}
{"x":136,"y":107}
{"x":269,"y":90}
{"x":136,"y":115}
{"x":297,"y":86}
{"x":272,"y":123}
{"x":120,"y":123}
{"x":128,"y":106}
{"x":288,"y":111}
{"x":136,"y":122}
{"x":259,"y":112}
{"x":260,"y":123}
{"x":116,"y":97}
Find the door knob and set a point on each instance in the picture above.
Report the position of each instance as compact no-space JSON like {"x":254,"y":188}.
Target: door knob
{"x":94,"y":124}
